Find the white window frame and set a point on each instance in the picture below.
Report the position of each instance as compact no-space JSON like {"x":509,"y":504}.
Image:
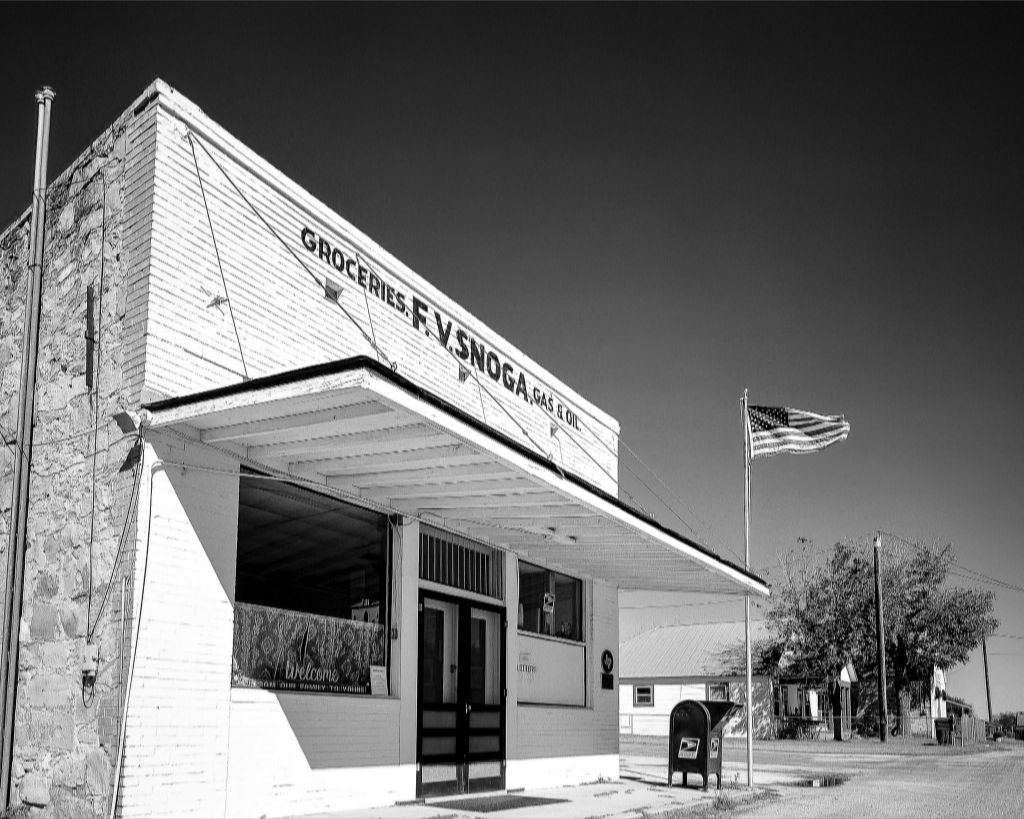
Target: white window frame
{"x":636,"y":696}
{"x":710,"y":685}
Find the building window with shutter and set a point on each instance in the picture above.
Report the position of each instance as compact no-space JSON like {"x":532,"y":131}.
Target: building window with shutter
{"x":718,"y":692}
{"x":643,"y":695}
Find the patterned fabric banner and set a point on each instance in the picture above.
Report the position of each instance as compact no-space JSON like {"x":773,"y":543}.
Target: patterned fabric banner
{"x":297,"y":651}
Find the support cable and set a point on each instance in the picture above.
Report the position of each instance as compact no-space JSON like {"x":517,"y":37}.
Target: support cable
{"x":213,"y":236}
{"x":369,"y":316}
{"x":130,"y":514}
{"x":707,"y":534}
{"x":288,"y":247}
{"x":371,"y":340}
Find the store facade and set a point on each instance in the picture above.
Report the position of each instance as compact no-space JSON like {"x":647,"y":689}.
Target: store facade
{"x":371,"y":552}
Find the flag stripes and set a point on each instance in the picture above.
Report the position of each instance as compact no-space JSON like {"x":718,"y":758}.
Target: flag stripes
{"x":774,"y":430}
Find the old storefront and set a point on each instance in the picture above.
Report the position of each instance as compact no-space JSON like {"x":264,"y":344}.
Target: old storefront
{"x":370,"y":551}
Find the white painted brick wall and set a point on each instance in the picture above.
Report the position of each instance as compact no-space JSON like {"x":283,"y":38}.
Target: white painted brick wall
{"x":194,"y":746}
{"x":197,"y":747}
{"x":140,"y":170}
{"x":295,"y":753}
{"x":574,"y":744}
{"x":176,"y":744}
{"x":303,"y":753}
{"x":283,"y":319}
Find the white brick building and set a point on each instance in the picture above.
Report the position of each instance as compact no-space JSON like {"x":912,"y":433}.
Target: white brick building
{"x":372,"y":550}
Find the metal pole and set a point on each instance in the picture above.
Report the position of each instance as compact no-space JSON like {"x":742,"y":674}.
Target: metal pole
{"x":883,"y":707}
{"x":988,"y":691}
{"x":23,"y":457}
{"x":746,"y":597}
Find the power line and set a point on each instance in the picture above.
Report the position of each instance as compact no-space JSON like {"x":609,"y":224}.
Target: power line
{"x":973,"y":574}
{"x":977,"y":577}
{"x":965,"y":572}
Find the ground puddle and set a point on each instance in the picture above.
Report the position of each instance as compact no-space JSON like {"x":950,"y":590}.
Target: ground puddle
{"x":828,"y":781}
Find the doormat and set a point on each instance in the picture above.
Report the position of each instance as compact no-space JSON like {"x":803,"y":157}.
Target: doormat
{"x":489,"y":804}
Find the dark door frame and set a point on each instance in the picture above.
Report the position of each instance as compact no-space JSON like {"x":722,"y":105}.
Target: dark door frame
{"x":462,"y":758}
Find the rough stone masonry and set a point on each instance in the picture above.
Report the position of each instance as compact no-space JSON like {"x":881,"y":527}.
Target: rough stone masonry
{"x":66,"y":733}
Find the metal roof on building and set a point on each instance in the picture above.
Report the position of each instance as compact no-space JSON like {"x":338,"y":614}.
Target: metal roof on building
{"x":694,"y":650}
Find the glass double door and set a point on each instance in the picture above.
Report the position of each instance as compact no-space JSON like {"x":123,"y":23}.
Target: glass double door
{"x":461,"y":730}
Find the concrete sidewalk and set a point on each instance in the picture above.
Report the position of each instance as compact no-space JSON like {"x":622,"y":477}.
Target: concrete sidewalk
{"x":654,"y":771}
{"x":639,"y":793}
{"x":620,"y":799}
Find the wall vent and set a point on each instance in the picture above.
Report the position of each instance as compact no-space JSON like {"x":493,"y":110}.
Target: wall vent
{"x":461,"y":563}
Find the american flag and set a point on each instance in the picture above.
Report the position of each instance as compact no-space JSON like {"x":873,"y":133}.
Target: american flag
{"x":781,"y":429}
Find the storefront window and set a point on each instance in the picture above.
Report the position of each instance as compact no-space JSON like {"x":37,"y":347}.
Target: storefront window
{"x":311,"y":601}
{"x":550,"y":603}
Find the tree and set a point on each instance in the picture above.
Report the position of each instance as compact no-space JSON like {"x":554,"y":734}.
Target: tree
{"x":823,"y":612}
{"x":1005,"y":723}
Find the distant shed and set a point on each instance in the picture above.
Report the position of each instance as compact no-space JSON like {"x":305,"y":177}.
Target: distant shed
{"x":702,"y":661}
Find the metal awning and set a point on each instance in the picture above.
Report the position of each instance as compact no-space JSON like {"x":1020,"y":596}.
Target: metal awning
{"x":369,"y":434}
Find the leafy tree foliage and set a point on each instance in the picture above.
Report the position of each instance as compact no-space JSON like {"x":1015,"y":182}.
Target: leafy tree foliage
{"x":1006,"y":722}
{"x":823,"y":612}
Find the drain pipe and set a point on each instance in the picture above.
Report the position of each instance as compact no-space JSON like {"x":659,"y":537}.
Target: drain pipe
{"x":23,"y":455}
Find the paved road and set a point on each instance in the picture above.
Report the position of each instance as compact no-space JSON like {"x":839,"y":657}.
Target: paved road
{"x":973,"y":785}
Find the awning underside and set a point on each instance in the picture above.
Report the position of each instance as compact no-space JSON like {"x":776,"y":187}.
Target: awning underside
{"x":362,"y":435}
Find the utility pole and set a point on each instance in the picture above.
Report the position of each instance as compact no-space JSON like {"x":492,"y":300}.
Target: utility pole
{"x":988,"y":691}
{"x":883,"y":707}
{"x":15,"y":577}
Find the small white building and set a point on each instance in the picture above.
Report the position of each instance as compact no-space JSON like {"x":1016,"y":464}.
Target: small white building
{"x":701,"y":661}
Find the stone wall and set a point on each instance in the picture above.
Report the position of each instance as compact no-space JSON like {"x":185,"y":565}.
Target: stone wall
{"x":66,"y":734}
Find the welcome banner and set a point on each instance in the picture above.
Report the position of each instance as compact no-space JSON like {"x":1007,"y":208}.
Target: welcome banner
{"x":298,"y":651}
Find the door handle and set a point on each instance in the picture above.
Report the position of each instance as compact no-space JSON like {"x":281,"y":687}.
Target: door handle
{"x":452,"y":668}
{"x":468,"y":707}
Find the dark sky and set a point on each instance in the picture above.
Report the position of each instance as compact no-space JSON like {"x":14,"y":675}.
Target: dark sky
{"x":663,"y":204}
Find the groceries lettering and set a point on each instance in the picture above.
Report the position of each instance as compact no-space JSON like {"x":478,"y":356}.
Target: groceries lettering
{"x":429,"y":320}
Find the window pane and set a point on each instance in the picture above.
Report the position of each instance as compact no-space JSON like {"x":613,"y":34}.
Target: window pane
{"x":550,"y":602}
{"x":484,"y":657}
{"x":310,"y":590}
{"x":532,"y":586}
{"x":568,"y":605}
{"x":477,"y":660}
{"x":643,"y":695}
{"x":432,"y":660}
{"x":718,"y":691}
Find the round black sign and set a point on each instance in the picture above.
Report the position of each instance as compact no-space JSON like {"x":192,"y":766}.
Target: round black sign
{"x":607,"y":661}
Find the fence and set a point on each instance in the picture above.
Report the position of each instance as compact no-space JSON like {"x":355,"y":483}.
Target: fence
{"x":973,"y":729}
{"x":905,"y":728}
